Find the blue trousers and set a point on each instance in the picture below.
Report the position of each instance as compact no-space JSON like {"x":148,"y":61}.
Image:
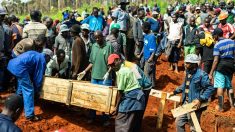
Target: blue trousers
{"x":25,"y":88}
{"x":92,"y":113}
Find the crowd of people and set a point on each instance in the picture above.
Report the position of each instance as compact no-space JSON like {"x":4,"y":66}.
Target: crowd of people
{"x":120,"y":48}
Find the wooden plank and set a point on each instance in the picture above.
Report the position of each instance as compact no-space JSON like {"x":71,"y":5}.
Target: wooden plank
{"x":158,"y":93}
{"x":185,"y":109}
{"x":70,"y":89}
{"x":195,"y":122}
{"x":161,"y":110}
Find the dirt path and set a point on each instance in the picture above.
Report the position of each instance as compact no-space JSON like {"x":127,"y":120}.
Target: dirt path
{"x":59,"y":117}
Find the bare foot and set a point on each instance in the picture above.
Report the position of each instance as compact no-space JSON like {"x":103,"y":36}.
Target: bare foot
{"x":177,"y":72}
{"x":170,"y":69}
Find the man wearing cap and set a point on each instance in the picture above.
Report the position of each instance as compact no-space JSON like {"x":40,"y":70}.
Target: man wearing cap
{"x":63,"y":41}
{"x":121,"y":16}
{"x":228,"y":29}
{"x":195,"y":89}
{"x":35,"y":27}
{"x":223,"y":67}
{"x":29,"y":68}
{"x":131,"y":100}
{"x":79,"y":60}
{"x":190,"y":13}
{"x":86,"y":39}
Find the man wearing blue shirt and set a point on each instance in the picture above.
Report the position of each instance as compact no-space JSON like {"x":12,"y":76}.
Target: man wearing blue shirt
{"x":29,"y":69}
{"x":155,"y":24}
{"x":148,"y":52}
{"x":95,"y":21}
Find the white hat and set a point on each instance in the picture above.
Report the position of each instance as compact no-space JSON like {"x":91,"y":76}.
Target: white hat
{"x":192,"y":58}
{"x":155,"y":13}
{"x":198,"y":8}
{"x":47,"y":52}
{"x":85,"y":26}
{"x":64,"y":28}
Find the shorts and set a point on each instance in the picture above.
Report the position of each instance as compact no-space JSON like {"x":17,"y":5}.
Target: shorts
{"x":222,"y":81}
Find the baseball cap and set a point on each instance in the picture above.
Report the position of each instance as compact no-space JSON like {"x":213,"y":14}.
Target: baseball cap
{"x":198,"y":8}
{"x":85,"y":26}
{"x":115,"y":25}
{"x":217,"y":31}
{"x":64,"y":28}
{"x":3,"y":11}
{"x":223,"y":15}
{"x":47,"y":52}
{"x":192,"y":58}
{"x":112,"y":57}
{"x":155,"y":13}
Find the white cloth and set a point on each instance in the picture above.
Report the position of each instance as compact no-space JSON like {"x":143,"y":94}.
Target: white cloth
{"x":175,"y":31}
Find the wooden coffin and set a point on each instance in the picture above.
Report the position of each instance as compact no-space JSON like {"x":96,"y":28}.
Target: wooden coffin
{"x":82,"y":94}
{"x":55,"y":89}
{"x":96,"y":97}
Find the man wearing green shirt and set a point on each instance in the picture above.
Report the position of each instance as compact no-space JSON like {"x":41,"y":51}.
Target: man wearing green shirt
{"x":98,"y":62}
{"x":131,"y":101}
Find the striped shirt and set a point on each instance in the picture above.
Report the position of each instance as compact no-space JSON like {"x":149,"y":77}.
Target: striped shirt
{"x":225,"y":48}
{"x":33,"y":29}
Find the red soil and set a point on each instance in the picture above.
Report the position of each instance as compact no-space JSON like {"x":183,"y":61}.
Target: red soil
{"x":60,"y":117}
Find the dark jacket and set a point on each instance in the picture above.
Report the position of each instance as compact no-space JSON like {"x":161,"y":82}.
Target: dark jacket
{"x":137,"y":30}
{"x":7,"y":125}
{"x":189,"y":35}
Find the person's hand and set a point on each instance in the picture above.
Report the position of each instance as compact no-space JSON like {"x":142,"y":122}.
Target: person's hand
{"x":115,"y":112}
{"x":137,"y":43}
{"x":179,"y":45}
{"x":171,"y":94}
{"x":150,"y":60}
{"x":74,"y":75}
{"x":196,"y":104}
{"x":57,"y":75}
{"x":138,"y":56}
{"x":210,"y":76}
{"x":81,"y":75}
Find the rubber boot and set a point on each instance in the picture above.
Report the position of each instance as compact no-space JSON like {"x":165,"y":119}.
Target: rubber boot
{"x":231,"y":99}
{"x":221,"y":103}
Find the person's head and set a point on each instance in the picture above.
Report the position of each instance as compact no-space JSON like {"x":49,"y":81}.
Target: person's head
{"x":222,"y":5}
{"x":203,"y":8}
{"x":174,"y":17}
{"x":192,"y":21}
{"x":99,"y":38}
{"x":85,"y":29}
{"x":230,"y":8}
{"x":192,"y":9}
{"x":13,"y":18}
{"x":3,"y":13}
{"x":146,"y":27}
{"x":95,"y":11}
{"x":181,"y":13}
{"x":134,"y":10}
{"x":198,"y":10}
{"x":217,"y":33}
{"x":48,"y":54}
{"x":71,"y":16}
{"x":13,"y":106}
{"x":64,"y":30}
{"x":155,"y":14}
{"x":115,"y":29}
{"x":40,"y":42}
{"x":169,"y":10}
{"x":60,"y":54}
{"x":207,"y":22}
{"x":115,"y":62}
{"x":141,"y":14}
{"x":36,"y":15}
{"x":223,"y":18}
{"x":123,"y":5}
{"x":217,"y":11}
{"x":191,"y":62}
{"x":75,"y":30}
{"x":48,"y":22}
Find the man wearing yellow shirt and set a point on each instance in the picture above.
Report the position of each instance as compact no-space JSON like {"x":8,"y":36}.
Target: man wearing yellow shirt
{"x":131,"y":100}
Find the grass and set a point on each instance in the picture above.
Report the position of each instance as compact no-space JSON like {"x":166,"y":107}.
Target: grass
{"x":57,"y":14}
